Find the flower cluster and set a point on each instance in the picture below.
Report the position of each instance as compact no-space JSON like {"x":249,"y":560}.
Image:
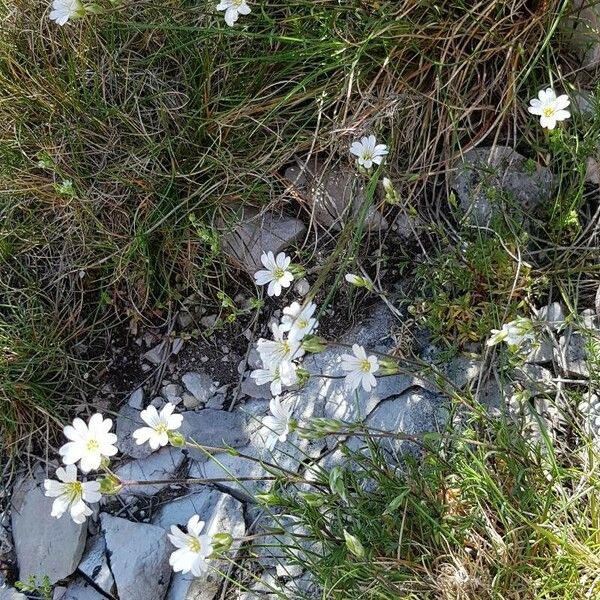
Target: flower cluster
{"x":92,"y":445}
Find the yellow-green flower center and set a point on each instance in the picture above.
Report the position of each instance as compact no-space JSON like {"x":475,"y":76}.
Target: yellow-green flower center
{"x":74,"y":490}
{"x":278,"y":272}
{"x":302,"y":324}
{"x":548,"y":111}
{"x":365,"y":366}
{"x":285,"y":347}
{"x":194,"y":545}
{"x":93,"y":445}
{"x":161,"y":428}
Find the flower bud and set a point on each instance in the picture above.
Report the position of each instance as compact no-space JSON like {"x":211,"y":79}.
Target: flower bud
{"x":302,"y":376}
{"x":268,"y":499}
{"x":110,"y":485}
{"x":176,"y":439}
{"x":314,"y":344}
{"x":391,"y":196}
{"x":222,"y":542}
{"x":388,"y":366}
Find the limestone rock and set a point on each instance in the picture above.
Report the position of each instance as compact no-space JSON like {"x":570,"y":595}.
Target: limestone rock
{"x":80,"y":589}
{"x":199,"y":385}
{"x":128,"y":420}
{"x":255,"y":232}
{"x":136,"y":400}
{"x":8,"y":593}
{"x":163,"y":464}
{"x":44,"y":545}
{"x":334,"y":193}
{"x":139,"y":558}
{"x":486,"y":179}
{"x":582,"y":31}
{"x":94,"y":564}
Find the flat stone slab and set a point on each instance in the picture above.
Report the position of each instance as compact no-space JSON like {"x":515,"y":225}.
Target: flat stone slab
{"x":163,"y":465}
{"x":486,"y":179}
{"x":139,"y":558}
{"x":8,"y":593}
{"x":255,"y":232}
{"x":216,"y":428}
{"x":44,"y":545}
{"x":128,"y":420}
{"x":200,"y":385}
{"x":94,"y":564}
{"x":334,"y":193}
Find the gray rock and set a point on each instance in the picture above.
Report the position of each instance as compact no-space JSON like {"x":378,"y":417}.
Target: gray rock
{"x":139,"y":558}
{"x":172,"y":393}
{"x":178,"y":511}
{"x":44,"y":545}
{"x":163,"y":464}
{"x":250,"y":388}
{"x":199,"y":385}
{"x":334,"y":193}
{"x":94,"y":564}
{"x":578,"y":349}
{"x":486,"y":179}
{"x":534,"y":378}
{"x":136,"y":400}
{"x":80,"y":589}
{"x":462,"y":370}
{"x":158,"y":354}
{"x":216,"y":428}
{"x":216,"y":402}
{"x":128,"y":420}
{"x":190,"y":401}
{"x":253,"y":233}
{"x":552,"y":315}
{"x":266,"y":588}
{"x":8,"y":593}
{"x":184,"y":319}
{"x":222,"y":514}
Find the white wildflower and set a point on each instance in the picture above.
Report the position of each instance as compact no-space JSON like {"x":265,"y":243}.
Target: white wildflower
{"x":233,"y":9}
{"x":515,"y":333}
{"x":159,"y":426}
{"x":274,"y":352}
{"x":276,"y":273}
{"x":279,"y":376}
{"x":298,"y":320}
{"x":89,"y":443}
{"x":368,"y":151}
{"x":361,"y":369}
{"x":63,"y":10}
{"x":549,"y":107}
{"x":278,"y":422}
{"x":358,"y":281}
{"x":71,"y":494}
{"x":193,"y":549}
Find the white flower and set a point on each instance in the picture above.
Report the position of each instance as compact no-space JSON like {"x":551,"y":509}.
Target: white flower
{"x":278,"y":422}
{"x":276,"y":273}
{"x":157,"y":433}
{"x":298,"y":320}
{"x":514,"y":333}
{"x":360,"y":369}
{"x":233,"y":9}
{"x":274,"y":352}
{"x":63,"y":10}
{"x":358,"y":281}
{"x":549,"y":107}
{"x":89,"y":443}
{"x":71,"y":494}
{"x":193,"y":548}
{"x":278,"y":376}
{"x":368,"y":151}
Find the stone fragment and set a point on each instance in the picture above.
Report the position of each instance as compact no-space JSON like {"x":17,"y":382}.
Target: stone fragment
{"x":8,"y":593}
{"x":128,"y":420}
{"x":200,"y":385}
{"x":162,"y":465}
{"x":251,"y":389}
{"x":334,"y":192}
{"x":552,"y":315}
{"x":139,"y":558}
{"x":94,"y":564}
{"x":226,"y":516}
{"x":80,"y":589}
{"x":190,"y":401}
{"x":486,"y":179}
{"x":253,"y":233}
{"x":216,"y":428}
{"x":158,"y":354}
{"x":172,"y":393}
{"x":44,"y":545}
{"x":136,"y":400}
{"x":462,"y":370}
